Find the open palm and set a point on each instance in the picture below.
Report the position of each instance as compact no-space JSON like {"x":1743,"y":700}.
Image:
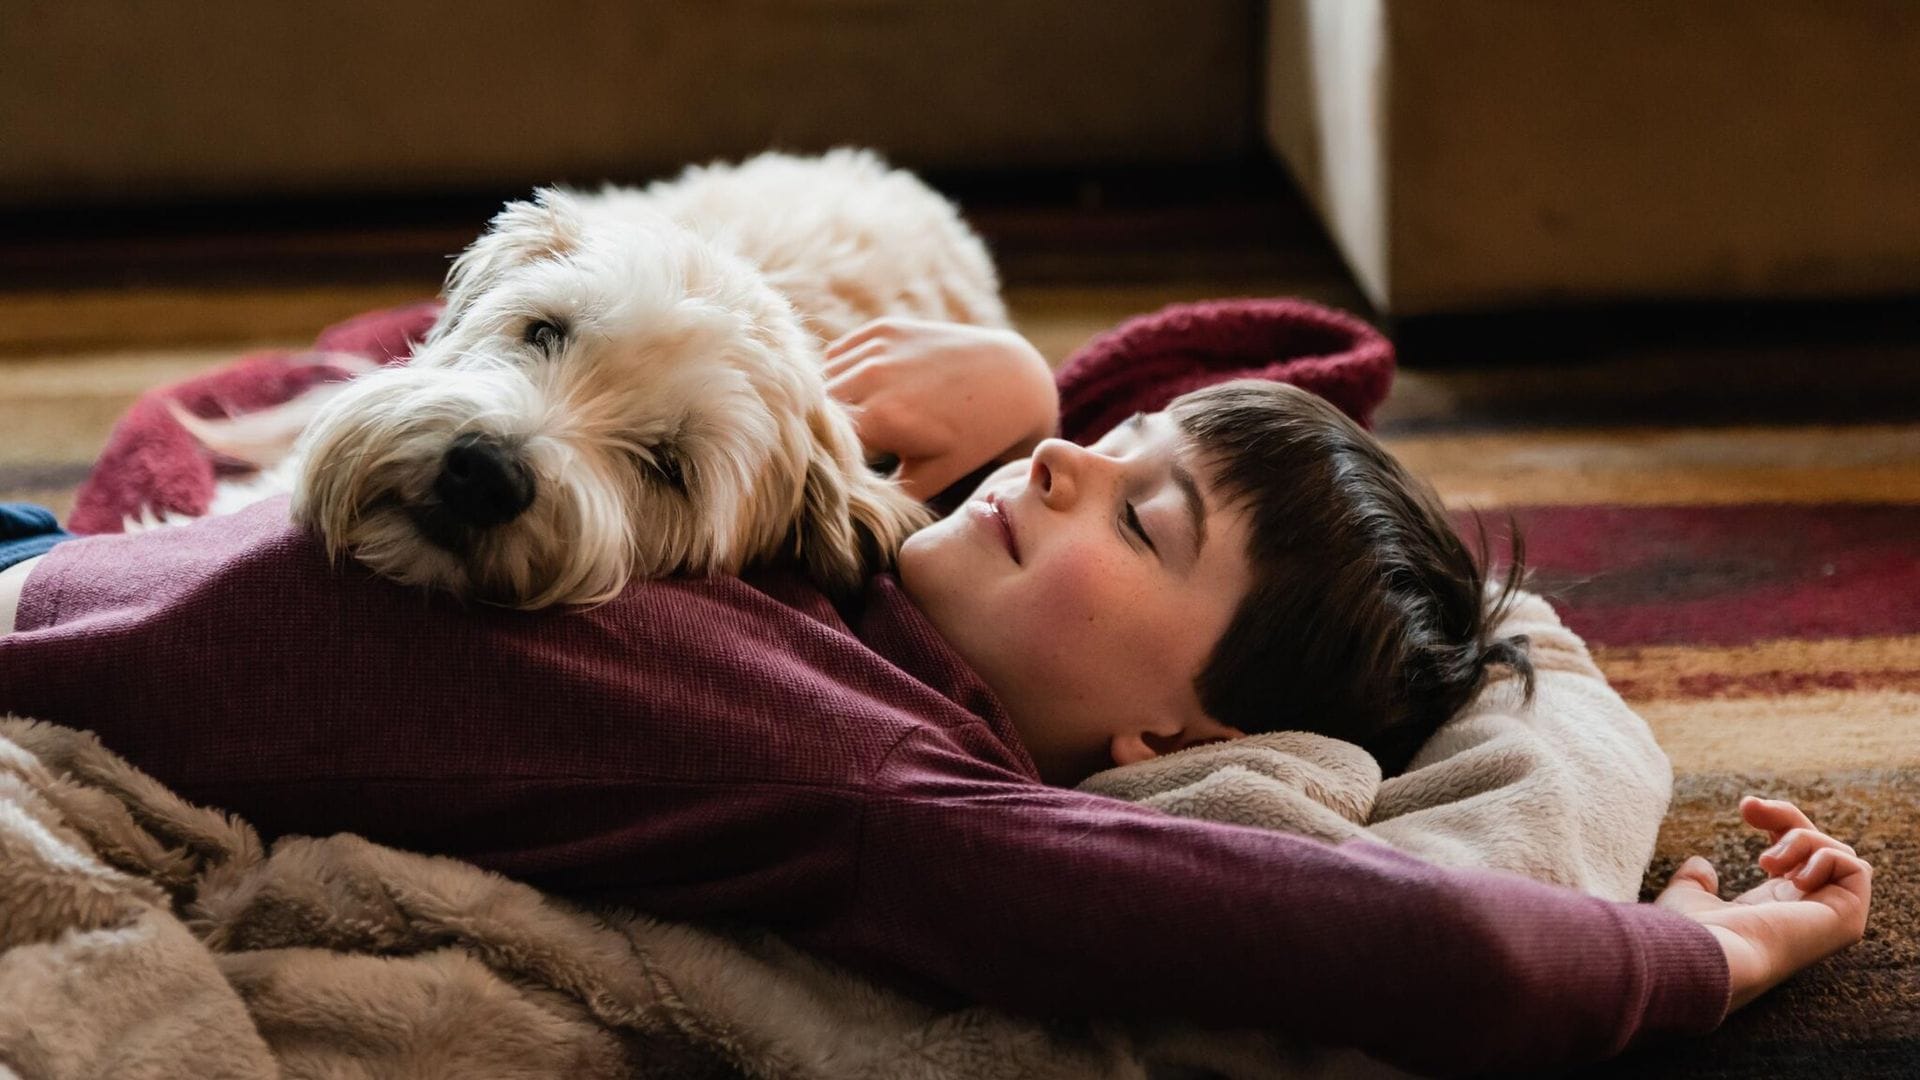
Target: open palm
{"x":1813,"y":903}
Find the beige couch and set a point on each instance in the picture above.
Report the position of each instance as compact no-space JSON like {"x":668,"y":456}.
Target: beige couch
{"x":1487,"y":153}
{"x":103,"y":100}
{"x":1464,"y":153}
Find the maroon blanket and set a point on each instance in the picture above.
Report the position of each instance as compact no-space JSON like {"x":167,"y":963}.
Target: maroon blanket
{"x":151,"y":462}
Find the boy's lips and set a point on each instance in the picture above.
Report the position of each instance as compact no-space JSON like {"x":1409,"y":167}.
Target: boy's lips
{"x":1005,"y":521}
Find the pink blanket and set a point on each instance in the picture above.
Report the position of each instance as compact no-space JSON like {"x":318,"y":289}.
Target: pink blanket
{"x":150,"y":462}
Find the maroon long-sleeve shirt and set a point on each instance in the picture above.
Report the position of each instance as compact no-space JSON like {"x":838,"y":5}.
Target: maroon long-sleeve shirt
{"x":744,"y":750}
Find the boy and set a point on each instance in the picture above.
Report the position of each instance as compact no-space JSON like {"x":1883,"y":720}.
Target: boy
{"x":1315,"y":525}
{"x":875,"y":780}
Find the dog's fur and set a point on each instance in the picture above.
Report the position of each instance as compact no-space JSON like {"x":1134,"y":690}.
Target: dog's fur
{"x":649,"y":360}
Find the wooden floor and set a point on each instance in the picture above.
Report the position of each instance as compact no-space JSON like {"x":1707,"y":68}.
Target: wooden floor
{"x":1727,"y":496}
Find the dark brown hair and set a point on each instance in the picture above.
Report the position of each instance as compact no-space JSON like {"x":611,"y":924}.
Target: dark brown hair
{"x":1368,"y":619}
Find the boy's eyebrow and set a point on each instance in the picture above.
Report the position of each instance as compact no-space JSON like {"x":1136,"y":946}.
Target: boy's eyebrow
{"x":1196,"y":507}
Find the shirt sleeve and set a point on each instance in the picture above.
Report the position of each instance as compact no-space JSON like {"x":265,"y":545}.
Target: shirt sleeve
{"x":1051,"y":902}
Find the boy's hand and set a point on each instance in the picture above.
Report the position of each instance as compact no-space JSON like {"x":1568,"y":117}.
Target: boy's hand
{"x":944,"y":398}
{"x":1812,"y":905}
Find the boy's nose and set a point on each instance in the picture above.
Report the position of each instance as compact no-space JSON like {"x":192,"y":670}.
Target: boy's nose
{"x":1043,"y":476}
{"x":1060,"y":470}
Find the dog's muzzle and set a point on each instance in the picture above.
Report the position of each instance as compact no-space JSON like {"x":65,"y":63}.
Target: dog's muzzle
{"x":482,"y":484}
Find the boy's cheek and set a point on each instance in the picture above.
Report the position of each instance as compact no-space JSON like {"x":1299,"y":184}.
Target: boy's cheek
{"x":1075,"y":590}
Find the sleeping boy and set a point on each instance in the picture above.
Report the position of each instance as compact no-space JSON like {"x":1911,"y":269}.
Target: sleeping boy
{"x":883,"y":779}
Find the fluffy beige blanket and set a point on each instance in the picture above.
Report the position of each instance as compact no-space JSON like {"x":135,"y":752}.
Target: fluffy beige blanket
{"x":143,"y":937}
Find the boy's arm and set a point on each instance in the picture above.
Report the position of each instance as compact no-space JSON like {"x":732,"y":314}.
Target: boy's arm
{"x":943,"y":398}
{"x":1048,"y":901}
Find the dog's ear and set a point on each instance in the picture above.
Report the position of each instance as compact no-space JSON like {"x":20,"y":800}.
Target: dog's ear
{"x":852,"y":522}
{"x":540,"y":228}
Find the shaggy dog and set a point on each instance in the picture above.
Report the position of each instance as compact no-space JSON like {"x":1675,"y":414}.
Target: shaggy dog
{"x":627,"y":384}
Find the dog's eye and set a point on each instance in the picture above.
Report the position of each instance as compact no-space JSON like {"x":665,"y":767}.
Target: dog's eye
{"x":544,"y":335}
{"x":667,"y":464}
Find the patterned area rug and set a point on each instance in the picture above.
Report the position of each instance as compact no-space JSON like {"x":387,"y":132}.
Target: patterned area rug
{"x":1753,"y":589}
{"x":1755,"y":594}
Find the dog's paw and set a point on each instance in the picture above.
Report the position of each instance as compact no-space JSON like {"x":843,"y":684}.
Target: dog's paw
{"x":149,"y":519}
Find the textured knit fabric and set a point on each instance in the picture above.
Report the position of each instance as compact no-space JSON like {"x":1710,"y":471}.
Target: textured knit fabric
{"x":27,"y":531}
{"x":735,"y":750}
{"x":1146,"y":362}
{"x":151,"y":463}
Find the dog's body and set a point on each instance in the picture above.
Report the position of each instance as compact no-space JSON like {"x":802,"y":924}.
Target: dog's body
{"x":627,"y":384}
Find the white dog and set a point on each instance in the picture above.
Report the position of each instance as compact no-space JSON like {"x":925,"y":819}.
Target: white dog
{"x":627,"y":384}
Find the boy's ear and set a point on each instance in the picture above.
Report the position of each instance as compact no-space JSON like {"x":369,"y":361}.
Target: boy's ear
{"x":1145,"y":744}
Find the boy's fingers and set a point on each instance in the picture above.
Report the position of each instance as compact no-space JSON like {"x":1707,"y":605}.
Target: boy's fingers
{"x":1855,"y":874}
{"x":1693,"y":886}
{"x":844,"y":360}
{"x":863,"y":333}
{"x":923,"y":478}
{"x":1817,"y":871}
{"x":866,"y":375}
{"x":839,"y":346}
{"x":885,"y":427}
{"x":1775,"y":816}
{"x":877,"y":425}
{"x":1698,"y":869}
{"x":1831,"y":865}
{"x":1795,"y":847}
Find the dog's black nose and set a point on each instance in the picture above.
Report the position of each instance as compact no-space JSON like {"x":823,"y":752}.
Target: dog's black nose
{"x":482,"y":483}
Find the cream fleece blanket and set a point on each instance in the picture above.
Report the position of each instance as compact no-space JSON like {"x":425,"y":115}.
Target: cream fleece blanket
{"x":143,"y":937}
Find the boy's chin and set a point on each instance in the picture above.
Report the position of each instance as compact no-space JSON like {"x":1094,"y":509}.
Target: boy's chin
{"x":926,"y":544}
{"x":912,"y":562}
{"x":936,"y":573}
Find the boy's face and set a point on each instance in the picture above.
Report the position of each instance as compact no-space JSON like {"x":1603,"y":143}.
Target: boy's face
{"x":1088,"y":587}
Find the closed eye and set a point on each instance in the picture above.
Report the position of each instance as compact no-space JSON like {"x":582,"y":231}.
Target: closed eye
{"x":1133,"y":522}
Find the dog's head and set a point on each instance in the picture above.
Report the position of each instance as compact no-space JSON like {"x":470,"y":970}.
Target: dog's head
{"x":607,"y":396}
